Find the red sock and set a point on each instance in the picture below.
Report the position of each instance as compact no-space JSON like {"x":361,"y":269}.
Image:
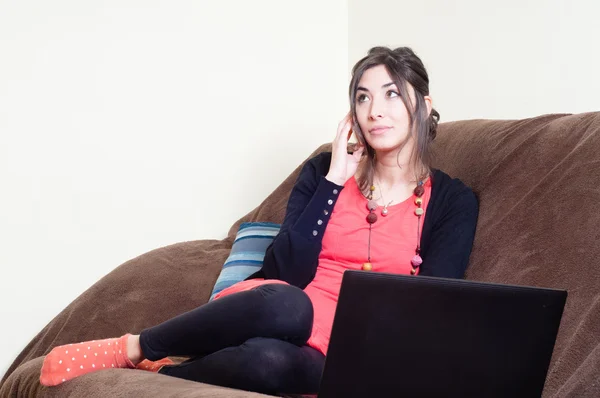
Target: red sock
{"x":69,"y":361}
{"x":154,"y":366}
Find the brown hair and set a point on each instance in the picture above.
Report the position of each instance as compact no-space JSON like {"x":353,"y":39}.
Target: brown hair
{"x":404,"y":67}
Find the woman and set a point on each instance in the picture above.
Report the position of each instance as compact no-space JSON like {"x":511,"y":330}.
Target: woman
{"x":379,"y":208}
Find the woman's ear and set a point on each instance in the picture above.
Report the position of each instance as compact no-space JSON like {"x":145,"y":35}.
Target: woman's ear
{"x":429,"y":104}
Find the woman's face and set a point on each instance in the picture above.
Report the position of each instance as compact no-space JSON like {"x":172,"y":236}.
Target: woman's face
{"x":380,"y":112}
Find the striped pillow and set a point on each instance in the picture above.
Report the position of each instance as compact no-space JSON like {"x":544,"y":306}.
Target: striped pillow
{"x":247,"y":253}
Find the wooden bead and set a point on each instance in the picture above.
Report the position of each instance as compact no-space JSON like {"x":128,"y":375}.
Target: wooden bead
{"x":371,"y":218}
{"x":367,"y":267}
{"x":419,"y":201}
{"x":419,"y":191}
{"x":419,"y":211}
{"x":413,"y":271}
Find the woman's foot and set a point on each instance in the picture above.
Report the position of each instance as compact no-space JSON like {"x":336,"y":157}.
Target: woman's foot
{"x":154,"y":366}
{"x":69,"y":361}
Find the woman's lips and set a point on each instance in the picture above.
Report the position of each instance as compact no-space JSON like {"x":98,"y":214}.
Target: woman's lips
{"x":379,"y":130}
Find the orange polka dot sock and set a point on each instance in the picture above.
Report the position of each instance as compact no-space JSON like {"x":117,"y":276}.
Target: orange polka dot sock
{"x":154,"y":366}
{"x":69,"y":361}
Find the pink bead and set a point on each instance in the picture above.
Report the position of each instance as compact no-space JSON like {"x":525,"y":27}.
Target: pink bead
{"x":371,"y":205}
{"x":416,"y":261}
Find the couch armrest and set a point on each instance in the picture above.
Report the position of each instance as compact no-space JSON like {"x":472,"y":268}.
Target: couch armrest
{"x":142,"y":292}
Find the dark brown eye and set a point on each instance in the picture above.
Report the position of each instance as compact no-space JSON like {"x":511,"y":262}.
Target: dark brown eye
{"x":362,"y":98}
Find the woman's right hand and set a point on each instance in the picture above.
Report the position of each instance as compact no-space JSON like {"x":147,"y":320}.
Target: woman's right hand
{"x":343,"y":164}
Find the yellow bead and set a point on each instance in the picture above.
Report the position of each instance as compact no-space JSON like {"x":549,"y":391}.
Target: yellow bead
{"x":367,"y":267}
{"x":372,"y":188}
{"x":419,"y":201}
{"x":413,"y":271}
{"x":419,"y":211}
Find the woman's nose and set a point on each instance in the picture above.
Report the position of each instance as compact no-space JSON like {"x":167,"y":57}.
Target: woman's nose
{"x":376,"y":110}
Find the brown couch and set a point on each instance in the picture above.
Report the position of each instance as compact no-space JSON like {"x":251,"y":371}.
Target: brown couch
{"x":538,"y":182}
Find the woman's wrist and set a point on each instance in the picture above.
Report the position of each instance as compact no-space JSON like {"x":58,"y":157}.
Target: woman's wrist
{"x":335,"y":180}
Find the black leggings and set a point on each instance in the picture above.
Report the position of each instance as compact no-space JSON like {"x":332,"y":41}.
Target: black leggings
{"x":253,"y":340}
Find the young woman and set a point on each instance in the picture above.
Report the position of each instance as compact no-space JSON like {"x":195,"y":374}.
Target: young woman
{"x":379,"y":207}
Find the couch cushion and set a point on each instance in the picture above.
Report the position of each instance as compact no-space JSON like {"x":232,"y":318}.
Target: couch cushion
{"x":113,"y":383}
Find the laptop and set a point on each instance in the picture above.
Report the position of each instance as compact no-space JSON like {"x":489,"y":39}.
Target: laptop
{"x":405,"y":336}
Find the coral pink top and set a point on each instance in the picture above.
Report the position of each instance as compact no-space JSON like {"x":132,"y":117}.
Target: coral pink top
{"x":345,"y":246}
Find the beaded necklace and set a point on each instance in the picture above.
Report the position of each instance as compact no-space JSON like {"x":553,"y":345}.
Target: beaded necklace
{"x":372,"y":205}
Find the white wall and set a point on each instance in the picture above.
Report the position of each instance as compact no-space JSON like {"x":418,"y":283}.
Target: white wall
{"x":128,"y":125}
{"x":122,"y":121}
{"x":486,"y":59}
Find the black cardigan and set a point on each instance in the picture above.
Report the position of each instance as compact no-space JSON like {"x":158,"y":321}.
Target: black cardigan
{"x":446,"y":240}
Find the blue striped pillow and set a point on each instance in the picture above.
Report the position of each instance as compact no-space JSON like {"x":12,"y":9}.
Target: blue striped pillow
{"x":247,"y":253}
